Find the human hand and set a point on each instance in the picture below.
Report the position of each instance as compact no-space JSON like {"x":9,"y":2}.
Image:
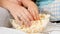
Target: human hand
{"x":31,"y":7}
{"x":19,"y":13}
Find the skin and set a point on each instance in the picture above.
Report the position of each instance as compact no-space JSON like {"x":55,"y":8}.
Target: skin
{"x":32,"y":8}
{"x":19,"y":12}
{"x":0,"y":2}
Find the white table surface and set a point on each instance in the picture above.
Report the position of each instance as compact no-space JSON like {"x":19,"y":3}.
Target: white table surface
{"x":4,"y":30}
{"x":53,"y":30}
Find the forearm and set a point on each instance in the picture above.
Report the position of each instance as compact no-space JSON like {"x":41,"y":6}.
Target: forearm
{"x":0,"y":2}
{"x":7,"y":5}
{"x":3,"y":4}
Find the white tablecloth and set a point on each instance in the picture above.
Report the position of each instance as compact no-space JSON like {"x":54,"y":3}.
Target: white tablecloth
{"x":4,"y":30}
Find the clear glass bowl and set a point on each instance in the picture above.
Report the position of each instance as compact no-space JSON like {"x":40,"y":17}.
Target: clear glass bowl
{"x":52,"y":28}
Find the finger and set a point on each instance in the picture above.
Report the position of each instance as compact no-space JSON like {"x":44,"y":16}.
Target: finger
{"x":20,"y":21}
{"x":32,"y":13}
{"x":25,"y":3}
{"x":24,"y":12}
{"x":21,"y":14}
{"x":17,"y":19}
{"x":27,"y":14}
{"x":23,"y":17}
{"x":31,"y":7}
{"x":25,"y":21}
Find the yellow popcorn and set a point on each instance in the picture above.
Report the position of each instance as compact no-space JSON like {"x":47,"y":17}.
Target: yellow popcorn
{"x":37,"y":26}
